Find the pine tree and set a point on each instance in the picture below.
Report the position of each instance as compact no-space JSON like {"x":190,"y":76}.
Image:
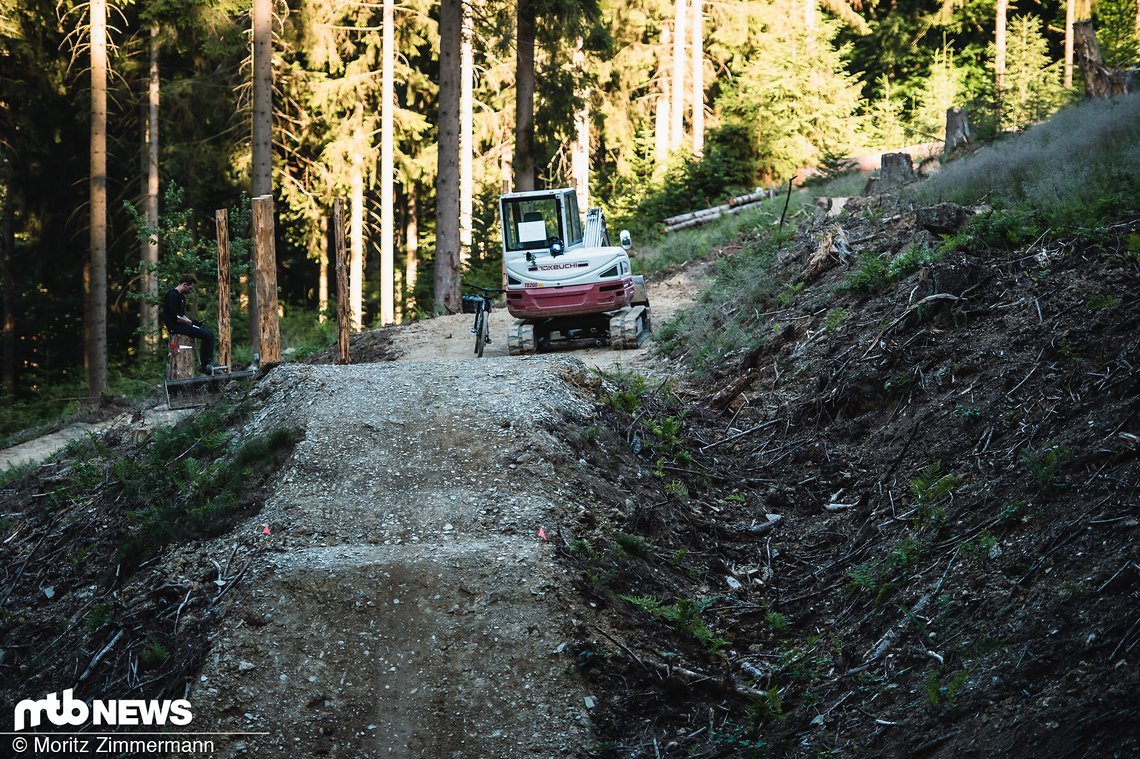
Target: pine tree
{"x":1033,"y":88}
{"x":1117,"y":32}
{"x":939,"y":91}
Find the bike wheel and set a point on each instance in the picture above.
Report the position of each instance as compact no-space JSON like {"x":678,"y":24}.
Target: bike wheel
{"x":481,"y":334}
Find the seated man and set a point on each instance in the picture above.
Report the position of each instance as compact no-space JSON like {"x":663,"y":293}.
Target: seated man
{"x":178,"y":323}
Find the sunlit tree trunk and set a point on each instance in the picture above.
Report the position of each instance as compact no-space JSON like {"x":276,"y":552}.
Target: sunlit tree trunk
{"x":149,"y":314}
{"x":447,"y":270}
{"x":661,"y":115}
{"x":1069,"y":18}
{"x":262,"y":128}
{"x":677,"y":84}
{"x":809,"y":9}
{"x":411,"y":261}
{"x":387,"y":151}
{"x":322,"y":242}
{"x":356,"y":245}
{"x":96,"y":280}
{"x":999,"y":45}
{"x":698,"y":57}
{"x":466,"y":135}
{"x":580,"y":162}
{"x":524,"y":99}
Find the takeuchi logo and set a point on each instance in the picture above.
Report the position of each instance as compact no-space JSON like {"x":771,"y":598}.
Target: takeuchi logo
{"x":75,"y":712}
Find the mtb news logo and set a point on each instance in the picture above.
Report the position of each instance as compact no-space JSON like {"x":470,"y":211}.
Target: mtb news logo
{"x":74,"y":712}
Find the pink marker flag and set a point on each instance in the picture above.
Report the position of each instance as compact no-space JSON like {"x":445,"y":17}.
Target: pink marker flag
{"x":542,"y":533}
{"x":265,"y":529}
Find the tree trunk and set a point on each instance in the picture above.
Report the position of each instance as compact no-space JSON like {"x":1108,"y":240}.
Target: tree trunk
{"x":466,"y":135}
{"x":265,"y":276}
{"x":387,"y":151}
{"x":698,"y":88}
{"x":356,"y":246}
{"x":677,"y":84}
{"x":323,"y":272}
{"x":262,"y":136}
{"x":96,"y":332}
{"x":411,"y":260}
{"x":150,"y":306}
{"x":1070,"y":13}
{"x":447,"y":272}
{"x":957,"y":130}
{"x":524,"y":99}
{"x":999,"y":45}
{"x":7,"y":246}
{"x":343,"y":312}
{"x":581,"y":155}
{"x":1100,"y":81}
{"x":225,"y":342}
{"x":809,"y":8}
{"x":661,"y":116}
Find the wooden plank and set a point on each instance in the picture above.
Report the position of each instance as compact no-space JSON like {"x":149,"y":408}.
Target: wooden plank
{"x":265,"y":256}
{"x":343,"y":315}
{"x":225,"y":350}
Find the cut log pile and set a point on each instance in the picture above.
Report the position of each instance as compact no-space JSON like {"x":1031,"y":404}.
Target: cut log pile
{"x":733,"y":206}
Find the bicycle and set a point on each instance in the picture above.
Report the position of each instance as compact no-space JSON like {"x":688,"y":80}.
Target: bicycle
{"x":480,"y":305}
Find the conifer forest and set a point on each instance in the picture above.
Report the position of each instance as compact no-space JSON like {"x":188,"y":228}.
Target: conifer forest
{"x":124,"y":127}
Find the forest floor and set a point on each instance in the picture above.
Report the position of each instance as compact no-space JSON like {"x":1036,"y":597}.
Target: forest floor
{"x":903,"y":525}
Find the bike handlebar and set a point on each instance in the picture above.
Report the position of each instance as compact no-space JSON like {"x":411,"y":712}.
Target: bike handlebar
{"x":487,"y":289}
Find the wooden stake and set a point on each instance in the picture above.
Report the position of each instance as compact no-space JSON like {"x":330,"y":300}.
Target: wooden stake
{"x":265,"y":255}
{"x":343,"y":314}
{"x":221,"y":219}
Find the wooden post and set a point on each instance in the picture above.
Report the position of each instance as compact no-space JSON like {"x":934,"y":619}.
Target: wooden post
{"x":265,"y":256}
{"x":343,"y":315}
{"x":222,"y":221}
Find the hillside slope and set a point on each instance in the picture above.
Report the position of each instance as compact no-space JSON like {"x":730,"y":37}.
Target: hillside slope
{"x":903,"y":523}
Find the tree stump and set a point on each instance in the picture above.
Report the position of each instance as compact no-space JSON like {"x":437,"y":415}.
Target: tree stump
{"x":957,"y":130}
{"x":1100,"y":80}
{"x":181,"y":361}
{"x":896,"y":169}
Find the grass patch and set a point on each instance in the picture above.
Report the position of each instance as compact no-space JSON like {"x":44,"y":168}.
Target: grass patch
{"x":191,"y":481}
{"x":1077,"y":170}
{"x":726,"y":320}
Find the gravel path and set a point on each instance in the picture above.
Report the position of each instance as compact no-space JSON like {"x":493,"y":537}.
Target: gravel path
{"x":405,"y":603}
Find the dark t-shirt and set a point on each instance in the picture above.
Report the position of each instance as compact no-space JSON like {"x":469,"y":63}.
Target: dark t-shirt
{"x":173,"y":306}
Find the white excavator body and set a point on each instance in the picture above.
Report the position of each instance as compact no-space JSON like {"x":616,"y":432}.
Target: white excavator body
{"x":565,"y":282}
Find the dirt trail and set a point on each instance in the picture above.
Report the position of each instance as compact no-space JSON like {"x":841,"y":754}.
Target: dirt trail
{"x":449,"y":337}
{"x":405,"y":603}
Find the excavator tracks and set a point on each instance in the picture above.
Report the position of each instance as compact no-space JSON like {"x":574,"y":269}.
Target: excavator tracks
{"x":520,"y":339}
{"x":629,"y":327}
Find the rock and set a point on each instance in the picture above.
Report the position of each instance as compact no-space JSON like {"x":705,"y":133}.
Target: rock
{"x":244,"y":666}
{"x":941,"y":219}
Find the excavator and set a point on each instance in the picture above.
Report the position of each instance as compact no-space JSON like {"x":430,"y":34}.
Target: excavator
{"x":566,"y":284}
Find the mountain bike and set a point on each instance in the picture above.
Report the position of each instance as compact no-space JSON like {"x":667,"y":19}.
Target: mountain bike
{"x":480,"y":305}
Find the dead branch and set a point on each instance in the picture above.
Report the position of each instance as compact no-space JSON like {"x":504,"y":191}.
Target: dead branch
{"x":99,"y":656}
{"x":742,"y":433}
{"x":905,"y":314}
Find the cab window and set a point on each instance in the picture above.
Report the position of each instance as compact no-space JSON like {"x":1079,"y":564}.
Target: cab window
{"x":529,"y":223}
